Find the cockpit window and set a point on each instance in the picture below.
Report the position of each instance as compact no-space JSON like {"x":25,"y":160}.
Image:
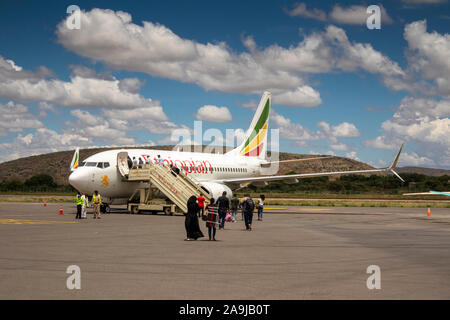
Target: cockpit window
{"x":91,"y":164}
{"x":105,"y":164}
{"x":82,"y":164}
{"x":100,"y":165}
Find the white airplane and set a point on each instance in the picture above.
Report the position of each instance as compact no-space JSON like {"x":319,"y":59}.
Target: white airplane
{"x":431,"y":192}
{"x":214,"y":172}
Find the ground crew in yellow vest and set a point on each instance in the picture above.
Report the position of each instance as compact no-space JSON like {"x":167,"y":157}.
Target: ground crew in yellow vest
{"x":96,"y":202}
{"x":79,"y":203}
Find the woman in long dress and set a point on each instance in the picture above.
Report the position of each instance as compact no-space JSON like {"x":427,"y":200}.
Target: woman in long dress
{"x":191,"y":223}
{"x":211,"y":220}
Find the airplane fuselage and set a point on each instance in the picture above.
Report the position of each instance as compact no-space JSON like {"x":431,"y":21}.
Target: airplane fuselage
{"x":100,"y":172}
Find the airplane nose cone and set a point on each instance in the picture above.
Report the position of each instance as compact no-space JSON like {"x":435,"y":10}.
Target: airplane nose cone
{"x":78,"y":179}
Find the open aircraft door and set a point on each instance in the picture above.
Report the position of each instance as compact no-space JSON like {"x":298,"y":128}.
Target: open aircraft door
{"x":122,"y":164}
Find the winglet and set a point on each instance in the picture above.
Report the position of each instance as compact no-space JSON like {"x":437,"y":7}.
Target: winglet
{"x":394,"y":164}
{"x":75,"y":160}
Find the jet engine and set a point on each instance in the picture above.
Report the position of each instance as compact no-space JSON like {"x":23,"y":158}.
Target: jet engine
{"x":215,"y":189}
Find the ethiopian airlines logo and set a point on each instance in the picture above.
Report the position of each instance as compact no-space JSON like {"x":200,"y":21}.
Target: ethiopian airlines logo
{"x":105,"y":181}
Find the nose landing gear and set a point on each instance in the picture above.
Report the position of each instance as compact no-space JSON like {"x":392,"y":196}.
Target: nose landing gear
{"x":105,"y":208}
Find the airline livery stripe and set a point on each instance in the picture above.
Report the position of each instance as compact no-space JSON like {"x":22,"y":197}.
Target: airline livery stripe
{"x":255,"y":152}
{"x":261,"y":121}
{"x":257,"y":140}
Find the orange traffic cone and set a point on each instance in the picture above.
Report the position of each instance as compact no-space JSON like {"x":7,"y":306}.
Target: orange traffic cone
{"x":60,"y":210}
{"x":45,"y":204}
{"x":429,"y":212}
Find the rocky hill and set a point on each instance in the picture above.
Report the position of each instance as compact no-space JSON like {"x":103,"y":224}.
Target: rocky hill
{"x":57,"y":164}
{"x":425,"y":171}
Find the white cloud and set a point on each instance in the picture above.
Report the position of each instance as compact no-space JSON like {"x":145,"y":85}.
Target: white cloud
{"x":252,"y":104}
{"x":214,"y":114}
{"x":301,"y":135}
{"x":346,"y":130}
{"x":85,"y":89}
{"x":300,"y":10}
{"x":420,"y":120}
{"x":423,"y":118}
{"x":332,"y":133}
{"x":44,"y":107}
{"x":352,"y":155}
{"x":16,"y":118}
{"x":43,"y":140}
{"x":358,"y":55}
{"x":303,"y":96}
{"x":413,"y":159}
{"x":429,"y":54}
{"x":292,"y":131}
{"x":132,"y":85}
{"x":339,"y":146}
{"x":355,"y":14}
{"x":111,"y":37}
{"x":382,"y":143}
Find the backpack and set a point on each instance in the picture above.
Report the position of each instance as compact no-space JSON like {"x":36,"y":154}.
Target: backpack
{"x":249,"y":205}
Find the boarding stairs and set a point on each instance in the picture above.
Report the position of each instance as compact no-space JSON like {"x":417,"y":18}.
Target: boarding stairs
{"x":177,"y":187}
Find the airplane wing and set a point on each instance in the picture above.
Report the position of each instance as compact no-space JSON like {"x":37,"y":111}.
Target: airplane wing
{"x":293,"y":178}
{"x":445,"y":193}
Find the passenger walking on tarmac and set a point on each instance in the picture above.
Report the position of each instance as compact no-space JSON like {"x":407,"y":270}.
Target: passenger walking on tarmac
{"x":193,"y":231}
{"x":96,"y":203}
{"x":224,"y":205}
{"x":247,"y":207}
{"x":149,"y":160}
{"x":84,"y":204}
{"x":78,"y":203}
{"x":234,"y":207}
{"x":211,"y":219}
{"x":260,"y":206}
{"x":201,"y":204}
{"x":140,"y":163}
{"x":135,"y":163}
{"x":241,"y":202}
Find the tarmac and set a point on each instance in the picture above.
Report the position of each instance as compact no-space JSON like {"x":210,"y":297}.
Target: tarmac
{"x":294,"y":253}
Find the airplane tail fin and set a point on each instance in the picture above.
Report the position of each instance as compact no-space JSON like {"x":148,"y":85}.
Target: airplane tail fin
{"x":394,"y":164}
{"x":75,"y":160}
{"x":255,"y":142}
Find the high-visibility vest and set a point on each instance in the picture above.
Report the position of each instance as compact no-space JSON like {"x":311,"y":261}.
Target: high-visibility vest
{"x":78,"y":200}
{"x":99,"y":199}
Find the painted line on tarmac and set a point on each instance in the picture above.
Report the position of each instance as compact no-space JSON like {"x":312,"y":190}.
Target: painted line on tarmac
{"x":300,"y":209}
{"x":29,"y":203}
{"x":25,"y":221}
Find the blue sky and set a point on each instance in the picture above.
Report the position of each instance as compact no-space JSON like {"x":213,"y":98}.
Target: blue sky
{"x":136,"y":71}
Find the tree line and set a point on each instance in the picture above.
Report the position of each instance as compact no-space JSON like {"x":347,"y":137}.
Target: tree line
{"x":37,"y":183}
